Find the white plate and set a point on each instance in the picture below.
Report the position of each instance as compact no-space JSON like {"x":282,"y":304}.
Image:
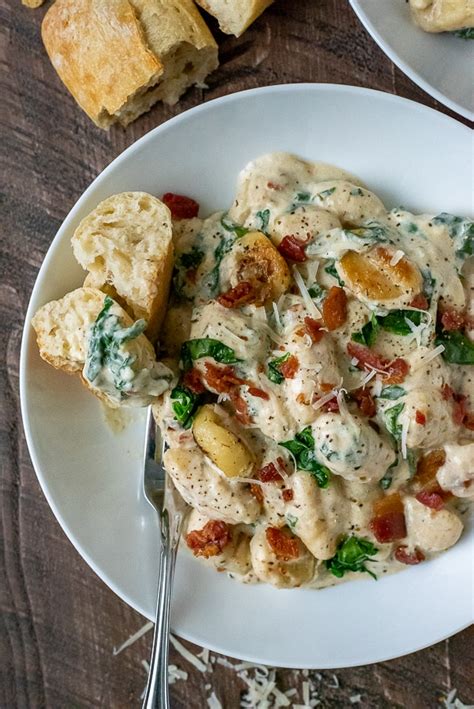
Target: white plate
{"x":441,"y":64}
{"x":91,"y":478}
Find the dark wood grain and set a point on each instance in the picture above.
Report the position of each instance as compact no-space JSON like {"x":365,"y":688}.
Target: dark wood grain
{"x":59,"y":622}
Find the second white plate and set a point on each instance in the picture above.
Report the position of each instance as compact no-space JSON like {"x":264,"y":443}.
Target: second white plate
{"x":441,"y":64}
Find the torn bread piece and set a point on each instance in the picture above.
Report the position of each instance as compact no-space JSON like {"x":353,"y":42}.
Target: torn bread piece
{"x":88,"y":333}
{"x":126,"y":245}
{"x":119,"y":57}
{"x":234,"y":17}
{"x":443,"y":15}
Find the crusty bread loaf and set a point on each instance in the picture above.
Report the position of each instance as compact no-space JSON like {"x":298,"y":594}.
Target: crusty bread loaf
{"x":443,"y":15}
{"x":63,"y":330}
{"x":118,"y":57}
{"x":126,"y":243}
{"x":234,"y":16}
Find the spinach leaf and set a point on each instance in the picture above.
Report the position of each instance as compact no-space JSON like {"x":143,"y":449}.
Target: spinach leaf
{"x":392,"y":392}
{"x":330,"y":268}
{"x":237,"y":229}
{"x":192,"y":258}
{"x":291,"y":521}
{"x":224,"y":247}
{"x":387,"y":479}
{"x":317,"y":292}
{"x":206,"y":347}
{"x":274,"y":373}
{"x":356,"y":192}
{"x":185,"y":405}
{"x":326,"y":193}
{"x":264,"y":217}
{"x":460,"y":230}
{"x":391,"y":420}
{"x":458,"y":349}
{"x":302,"y":197}
{"x":368,"y":334}
{"x":370,"y":232}
{"x":466,"y":33}
{"x":351,"y":555}
{"x":396,"y":321}
{"x":428,"y":285}
{"x":302,"y":448}
{"x":104,"y":346}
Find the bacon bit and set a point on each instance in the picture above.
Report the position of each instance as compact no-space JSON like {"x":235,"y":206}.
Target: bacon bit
{"x":192,"y":381}
{"x":221,"y":379}
{"x":240,"y":406}
{"x":255,"y":391}
{"x":388,"y":523}
{"x":469,"y":421}
{"x":365,"y":401}
{"x":287,"y":495}
{"x":396,"y":370}
{"x":283,"y":546}
{"x":210,"y":540}
{"x":453,"y":319}
{"x":274,"y":186}
{"x":420,"y":418}
{"x":434,"y":500}
{"x":331,"y":406}
{"x":181,"y":207}
{"x":269,"y":473}
{"x":428,"y":466}
{"x":335,"y":308}
{"x":241,"y":294}
{"x":292,"y":248}
{"x":289,"y":368}
{"x":420,"y":301}
{"x":409,"y":557}
{"x":313,"y":328}
{"x":459,"y":409}
{"x":447,"y":392}
{"x":257,"y":492}
{"x":326,"y":387}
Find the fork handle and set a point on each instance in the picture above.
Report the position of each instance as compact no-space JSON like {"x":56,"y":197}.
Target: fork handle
{"x":157,"y":692}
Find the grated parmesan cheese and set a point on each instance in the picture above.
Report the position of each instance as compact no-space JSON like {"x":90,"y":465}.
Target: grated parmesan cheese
{"x":397,"y":256}
{"x":187,"y":655}
{"x":308,"y":301}
{"x":213,"y":702}
{"x":276,"y":313}
{"x":404,"y":435}
{"x":133,"y":638}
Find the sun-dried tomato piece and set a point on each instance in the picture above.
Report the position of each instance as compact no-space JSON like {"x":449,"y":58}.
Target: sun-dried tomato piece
{"x":452,"y":319}
{"x":210,"y":540}
{"x":433,"y":499}
{"x":257,"y":492}
{"x":397,"y":371}
{"x":292,"y":248}
{"x":260,"y":393}
{"x":335,"y":308}
{"x":181,"y":207}
{"x":388,"y":523}
{"x":283,"y":546}
{"x":313,"y":328}
{"x":420,"y":418}
{"x":240,"y":407}
{"x":409,"y":557}
{"x":289,"y":367}
{"x":365,"y":401}
{"x":287,"y":495}
{"x":420,"y":301}
{"x":192,"y":380}
{"x":221,"y":379}
{"x":239,"y":295}
{"x":269,"y":474}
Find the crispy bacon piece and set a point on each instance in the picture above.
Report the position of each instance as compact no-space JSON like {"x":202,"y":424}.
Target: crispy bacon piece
{"x":239,"y":295}
{"x":409,"y":557}
{"x":459,"y":408}
{"x":181,"y":207}
{"x":290,"y":367}
{"x":283,"y":546}
{"x":420,"y":301}
{"x":221,"y":379}
{"x":365,"y":401}
{"x":274,"y":186}
{"x":287,"y":495}
{"x":469,"y":421}
{"x":335,"y":308}
{"x":269,"y":473}
{"x":331,"y":406}
{"x":388,"y":523}
{"x":255,"y":391}
{"x":452,"y":319}
{"x":447,"y":392}
{"x":431,"y":498}
{"x":420,"y":418}
{"x":240,"y":406}
{"x":292,"y":248}
{"x":257,"y":492}
{"x":192,"y":380}
{"x":396,"y":370}
{"x":210,"y":540}
{"x":314,"y":329}
{"x":429,"y":491}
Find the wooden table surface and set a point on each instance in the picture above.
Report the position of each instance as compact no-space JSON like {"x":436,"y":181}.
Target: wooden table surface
{"x":59,"y":622}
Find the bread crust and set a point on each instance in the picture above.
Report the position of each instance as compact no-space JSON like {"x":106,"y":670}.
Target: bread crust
{"x":234,"y":18}
{"x":99,"y":50}
{"x":126,"y":245}
{"x":443,"y":15}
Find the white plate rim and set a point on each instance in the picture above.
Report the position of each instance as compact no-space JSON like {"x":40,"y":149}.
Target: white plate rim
{"x":406,"y":68}
{"x":27,"y":336}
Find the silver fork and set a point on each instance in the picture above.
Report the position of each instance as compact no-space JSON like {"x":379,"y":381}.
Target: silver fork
{"x":163,"y":496}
